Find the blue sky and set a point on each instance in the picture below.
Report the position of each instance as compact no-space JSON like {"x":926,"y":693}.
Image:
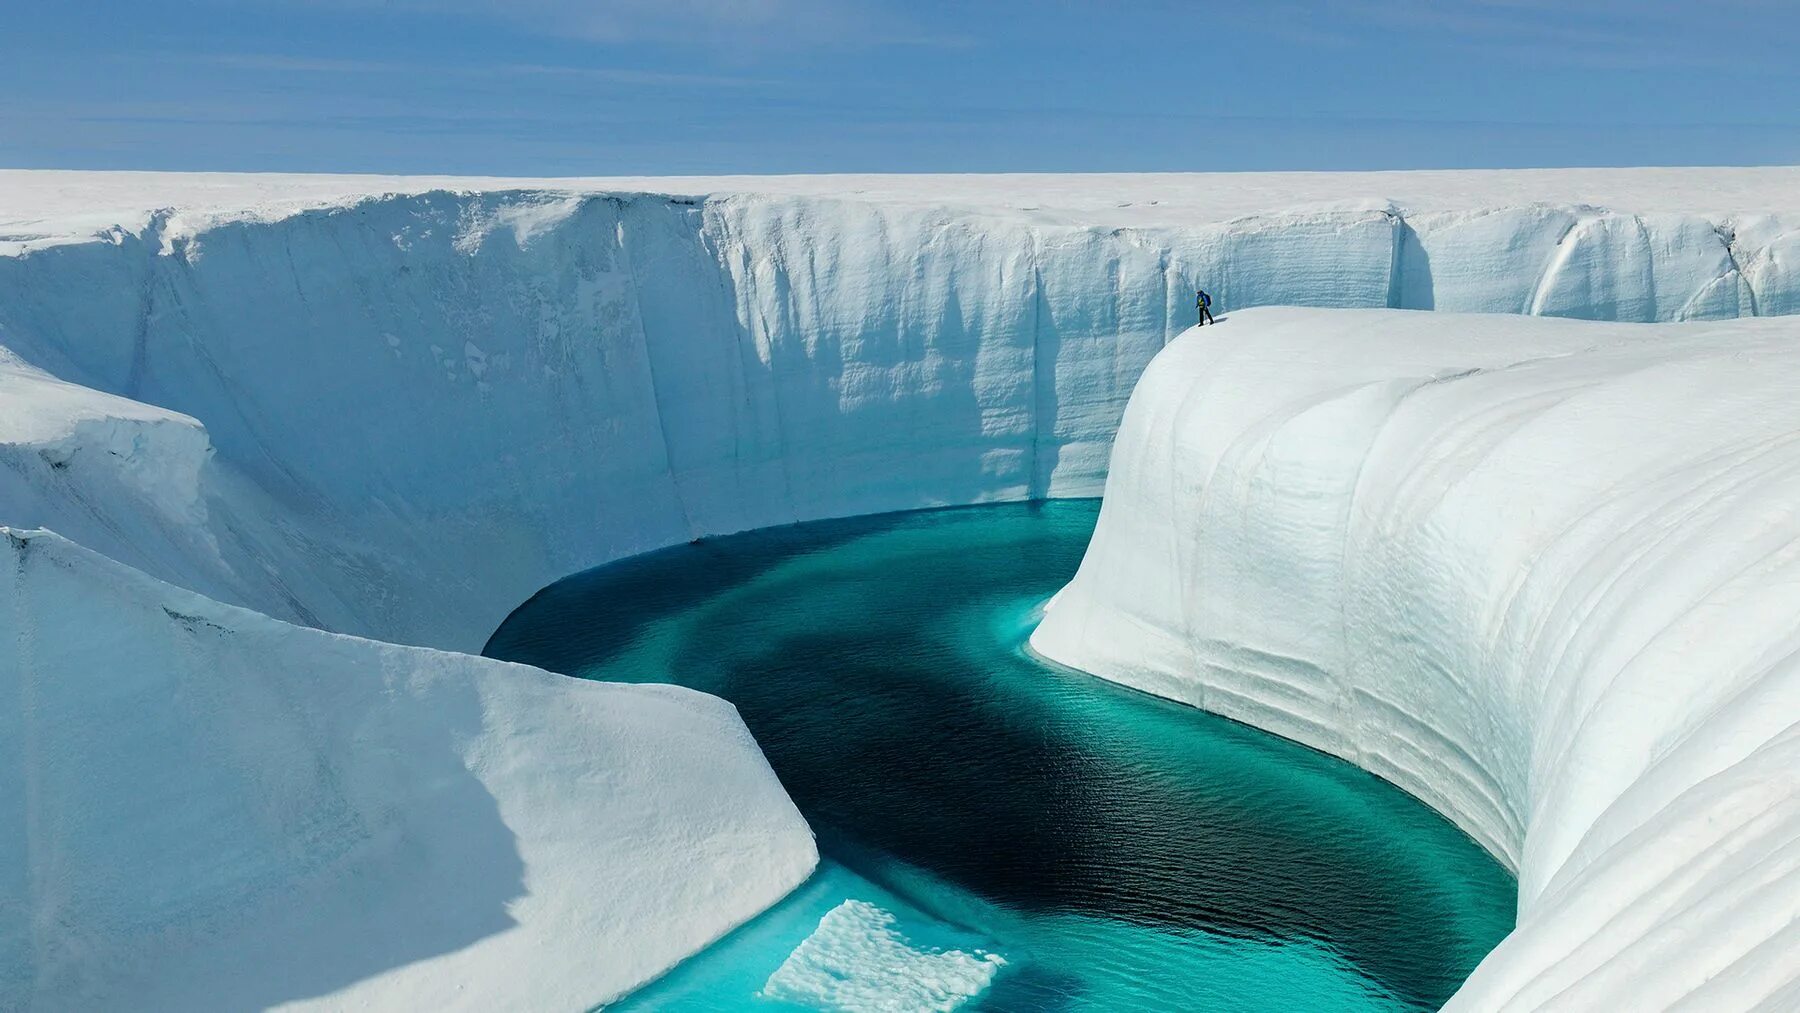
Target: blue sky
{"x":558,"y":87}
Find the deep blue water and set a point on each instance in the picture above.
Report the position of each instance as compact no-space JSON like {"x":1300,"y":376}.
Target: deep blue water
{"x":1118,"y":851}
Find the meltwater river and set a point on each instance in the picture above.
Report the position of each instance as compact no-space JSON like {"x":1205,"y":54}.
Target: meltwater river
{"x":1000,"y":833}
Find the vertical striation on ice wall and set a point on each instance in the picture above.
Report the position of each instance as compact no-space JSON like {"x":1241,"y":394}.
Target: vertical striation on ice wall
{"x":450,"y":399}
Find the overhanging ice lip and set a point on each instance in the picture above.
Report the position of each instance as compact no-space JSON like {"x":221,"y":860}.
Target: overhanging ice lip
{"x":1542,"y":574}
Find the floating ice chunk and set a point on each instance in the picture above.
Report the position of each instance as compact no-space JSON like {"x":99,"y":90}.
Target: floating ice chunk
{"x":858,"y":962}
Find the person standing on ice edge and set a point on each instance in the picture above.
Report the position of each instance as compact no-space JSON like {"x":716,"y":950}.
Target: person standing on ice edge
{"x":1202,"y":307}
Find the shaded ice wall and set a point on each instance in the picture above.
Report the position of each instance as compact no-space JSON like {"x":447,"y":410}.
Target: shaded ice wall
{"x":1541,"y":574}
{"x":426,"y":407}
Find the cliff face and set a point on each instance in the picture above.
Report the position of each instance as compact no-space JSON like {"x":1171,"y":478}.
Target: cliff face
{"x":424,"y":407}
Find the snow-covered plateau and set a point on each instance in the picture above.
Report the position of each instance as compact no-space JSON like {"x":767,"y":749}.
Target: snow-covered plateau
{"x":392,"y":408}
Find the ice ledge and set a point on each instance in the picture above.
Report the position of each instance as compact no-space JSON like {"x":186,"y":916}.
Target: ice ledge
{"x":1542,"y":574}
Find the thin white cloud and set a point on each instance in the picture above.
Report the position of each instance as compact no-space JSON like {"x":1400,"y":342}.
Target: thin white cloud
{"x":293,"y":64}
{"x":287,"y":64}
{"x":621,"y":75}
{"x":1596,"y":34}
{"x":752,"y":25}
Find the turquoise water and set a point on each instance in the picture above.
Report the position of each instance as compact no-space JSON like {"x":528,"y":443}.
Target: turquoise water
{"x":1116,"y":851}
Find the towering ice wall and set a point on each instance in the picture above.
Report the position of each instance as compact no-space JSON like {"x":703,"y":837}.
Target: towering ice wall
{"x":1542,"y":574}
{"x":424,"y":406}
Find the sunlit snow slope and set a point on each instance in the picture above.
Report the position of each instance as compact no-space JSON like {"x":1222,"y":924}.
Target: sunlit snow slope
{"x":394,"y":408}
{"x":1542,"y":574}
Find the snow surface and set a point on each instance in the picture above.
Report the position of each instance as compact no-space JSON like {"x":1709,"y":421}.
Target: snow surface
{"x":1542,"y":574}
{"x":395,"y":407}
{"x":205,"y":808}
{"x":49,"y":207}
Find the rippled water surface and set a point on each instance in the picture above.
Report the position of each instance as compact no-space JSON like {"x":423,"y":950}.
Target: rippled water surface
{"x":996,"y":827}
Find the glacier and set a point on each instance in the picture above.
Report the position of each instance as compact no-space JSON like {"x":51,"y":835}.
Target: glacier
{"x":342,"y":407}
{"x":1539,"y":573}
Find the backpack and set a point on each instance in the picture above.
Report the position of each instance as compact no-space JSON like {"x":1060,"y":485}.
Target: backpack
{"x":1205,"y":300}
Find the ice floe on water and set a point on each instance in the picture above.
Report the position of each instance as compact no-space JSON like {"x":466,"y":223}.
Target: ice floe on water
{"x":858,"y":962}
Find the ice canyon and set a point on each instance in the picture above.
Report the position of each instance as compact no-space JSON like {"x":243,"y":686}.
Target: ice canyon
{"x":277,"y":451}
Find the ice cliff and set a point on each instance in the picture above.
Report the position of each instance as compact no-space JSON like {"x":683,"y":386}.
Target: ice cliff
{"x":425,"y":406}
{"x":394,"y":408}
{"x":1542,"y":574}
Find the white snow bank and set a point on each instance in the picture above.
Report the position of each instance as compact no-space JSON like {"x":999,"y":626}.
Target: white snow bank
{"x":1542,"y":574}
{"x":858,"y":962}
{"x":204,"y":808}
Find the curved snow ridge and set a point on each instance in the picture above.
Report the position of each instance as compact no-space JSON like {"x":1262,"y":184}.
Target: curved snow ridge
{"x":204,"y":808}
{"x":1541,"y":574}
{"x":427,"y":406}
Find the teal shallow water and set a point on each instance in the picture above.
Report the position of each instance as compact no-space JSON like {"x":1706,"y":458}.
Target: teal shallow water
{"x":1116,"y":851}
